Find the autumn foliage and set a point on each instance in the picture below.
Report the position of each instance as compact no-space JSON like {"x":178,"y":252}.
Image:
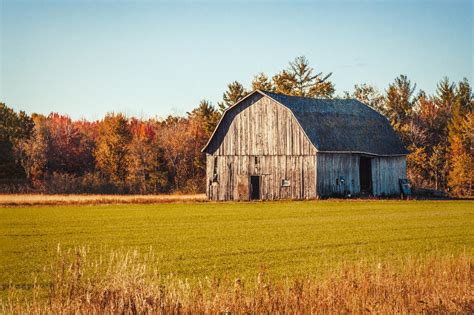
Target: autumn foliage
{"x":119,"y":154}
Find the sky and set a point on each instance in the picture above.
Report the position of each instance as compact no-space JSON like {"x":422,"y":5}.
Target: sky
{"x":152,"y":59}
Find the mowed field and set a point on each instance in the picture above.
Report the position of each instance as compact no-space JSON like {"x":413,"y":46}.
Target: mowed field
{"x":195,"y":240}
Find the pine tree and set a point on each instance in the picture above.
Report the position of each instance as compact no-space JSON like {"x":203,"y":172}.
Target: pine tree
{"x":261,"y":82}
{"x":202,"y":122}
{"x":445,"y":97}
{"x":399,"y":107}
{"x":445,"y":94}
{"x":235,"y":92}
{"x":299,"y":80}
{"x":206,"y":115}
{"x":283,"y":83}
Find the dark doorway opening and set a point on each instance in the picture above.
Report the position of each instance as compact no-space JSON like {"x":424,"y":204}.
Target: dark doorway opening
{"x":255,"y":187}
{"x":365,"y":174}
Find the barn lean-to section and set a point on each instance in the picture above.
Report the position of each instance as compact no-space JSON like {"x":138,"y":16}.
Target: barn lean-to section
{"x":272,"y":146}
{"x":340,"y":174}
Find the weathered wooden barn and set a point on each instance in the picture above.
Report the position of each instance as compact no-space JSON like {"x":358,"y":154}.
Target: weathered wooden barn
{"x":274,"y":146}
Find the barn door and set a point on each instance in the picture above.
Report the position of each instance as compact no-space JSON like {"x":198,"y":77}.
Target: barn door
{"x":365,"y":175}
{"x":255,"y":187}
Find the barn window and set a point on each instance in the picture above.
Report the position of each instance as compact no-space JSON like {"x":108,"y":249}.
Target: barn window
{"x":256,"y":160}
{"x":285,"y":183}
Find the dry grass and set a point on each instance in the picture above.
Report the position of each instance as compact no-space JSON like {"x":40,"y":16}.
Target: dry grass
{"x":39,"y":199}
{"x":125,"y":283}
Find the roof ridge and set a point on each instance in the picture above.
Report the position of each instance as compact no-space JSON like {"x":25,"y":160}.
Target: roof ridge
{"x":307,"y":97}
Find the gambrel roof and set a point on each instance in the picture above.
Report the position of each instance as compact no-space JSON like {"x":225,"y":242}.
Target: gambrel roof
{"x":337,"y":125}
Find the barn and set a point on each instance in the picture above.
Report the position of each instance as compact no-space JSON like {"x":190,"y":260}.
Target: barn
{"x":272,"y":146}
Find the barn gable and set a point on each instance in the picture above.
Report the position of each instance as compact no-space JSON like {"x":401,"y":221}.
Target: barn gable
{"x":257,"y":126}
{"x":330,"y":125}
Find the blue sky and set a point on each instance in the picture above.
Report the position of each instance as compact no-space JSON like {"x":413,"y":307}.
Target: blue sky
{"x":146,"y":58}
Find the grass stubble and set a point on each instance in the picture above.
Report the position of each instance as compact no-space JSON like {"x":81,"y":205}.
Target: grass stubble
{"x":127,"y":282}
{"x":87,"y":199}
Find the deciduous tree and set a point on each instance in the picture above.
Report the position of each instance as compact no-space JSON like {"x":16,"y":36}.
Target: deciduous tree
{"x":112,"y":148}
{"x":460,"y":134}
{"x":368,"y":95}
{"x":14,"y":129}
{"x":147,"y":169}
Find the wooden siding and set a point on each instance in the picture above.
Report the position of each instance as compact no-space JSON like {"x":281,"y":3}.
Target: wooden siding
{"x":260,"y":126}
{"x":386,"y":171}
{"x":260,"y":137}
{"x":233,"y":177}
{"x":331,"y":167}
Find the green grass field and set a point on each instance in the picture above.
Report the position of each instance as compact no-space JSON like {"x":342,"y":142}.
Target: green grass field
{"x":201,"y":239}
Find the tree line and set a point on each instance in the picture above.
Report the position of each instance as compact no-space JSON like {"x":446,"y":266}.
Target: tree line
{"x":119,"y":154}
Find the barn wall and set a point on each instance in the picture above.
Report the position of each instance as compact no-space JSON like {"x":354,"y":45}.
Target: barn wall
{"x":260,"y":126}
{"x":263,"y":129}
{"x":331,"y":167}
{"x":233,"y":177}
{"x":386,"y":171}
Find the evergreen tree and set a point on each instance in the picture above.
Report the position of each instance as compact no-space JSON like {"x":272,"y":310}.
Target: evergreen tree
{"x":445,"y":94}
{"x":235,"y":92}
{"x":206,"y":116}
{"x":299,"y":80}
{"x":445,"y":97}
{"x":283,"y":83}
{"x":399,"y":106}
{"x":400,"y":100}
{"x":261,"y":82}
{"x":202,"y":122}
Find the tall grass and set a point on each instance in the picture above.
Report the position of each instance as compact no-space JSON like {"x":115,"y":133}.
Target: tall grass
{"x":125,"y":282}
